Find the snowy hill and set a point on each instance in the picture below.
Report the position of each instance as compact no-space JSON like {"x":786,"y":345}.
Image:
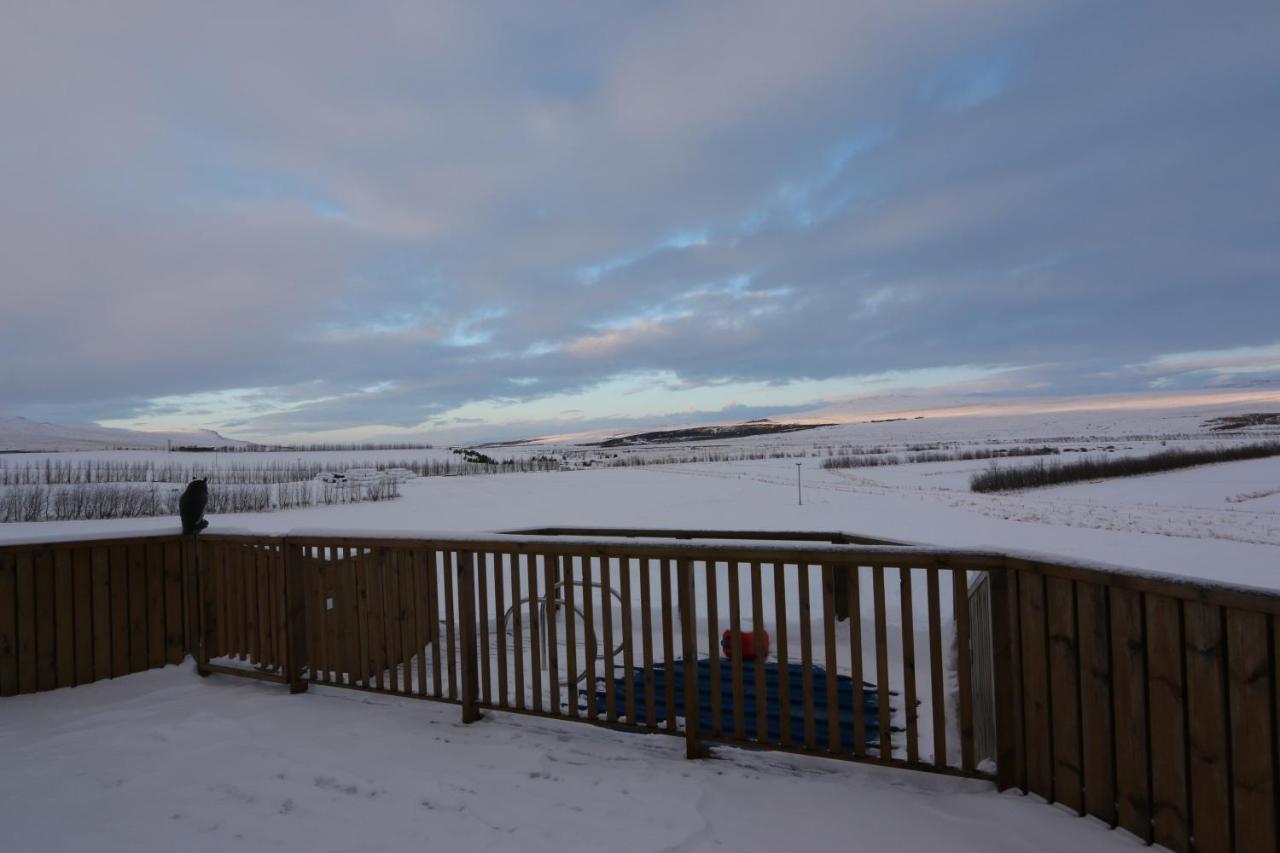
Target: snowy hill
{"x":22,"y":434}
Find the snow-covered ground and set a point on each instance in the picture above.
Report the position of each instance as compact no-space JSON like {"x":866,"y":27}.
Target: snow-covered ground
{"x":164,"y":760}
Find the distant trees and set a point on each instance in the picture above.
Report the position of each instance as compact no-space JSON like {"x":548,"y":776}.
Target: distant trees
{"x":872,"y":460}
{"x":998,"y":479}
{"x":82,"y":501}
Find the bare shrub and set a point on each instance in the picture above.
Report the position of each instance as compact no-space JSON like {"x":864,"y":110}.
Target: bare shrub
{"x":998,"y":479}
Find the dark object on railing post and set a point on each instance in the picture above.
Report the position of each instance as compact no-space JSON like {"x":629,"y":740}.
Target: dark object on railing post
{"x":689,"y":640}
{"x":191,"y":506}
{"x":198,"y":617}
{"x":1008,"y":738}
{"x":296,"y":602}
{"x":467,"y":617}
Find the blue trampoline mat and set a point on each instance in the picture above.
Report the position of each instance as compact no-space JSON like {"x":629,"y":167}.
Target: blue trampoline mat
{"x":867,"y":701}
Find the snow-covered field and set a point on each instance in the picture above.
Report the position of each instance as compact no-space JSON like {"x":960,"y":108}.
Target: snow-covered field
{"x":1183,"y":522}
{"x":164,"y":760}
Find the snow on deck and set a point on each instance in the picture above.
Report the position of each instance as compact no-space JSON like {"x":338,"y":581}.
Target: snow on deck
{"x":164,"y":760}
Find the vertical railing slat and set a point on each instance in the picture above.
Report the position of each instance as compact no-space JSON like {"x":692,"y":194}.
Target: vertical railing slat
{"x":607,"y":646}
{"x":1166,"y":693}
{"x":1096,"y":701}
{"x":535,"y":631}
{"x":360,"y":605}
{"x":433,"y":611}
{"x":735,"y":651}
{"x":784,"y":688}
{"x":1064,"y":679}
{"x":806,"y":655}
{"x":155,"y":612}
{"x":82,"y":572}
{"x":964,"y":675}
{"x":64,"y":613}
{"x":422,"y":614}
{"x":689,"y":641}
{"x":9,"y":624}
{"x":550,"y":580}
{"x":45,"y":658}
{"x":646,"y":633}
{"x":854,"y":606}
{"x":378,"y":616}
{"x":757,"y":627}
{"x":570,"y":633}
{"x":1035,"y":686}
{"x":628,"y":652}
{"x":504,"y":625}
{"x":589,"y":630}
{"x":290,"y":566}
{"x":883,"y":718}
{"x":262,"y":578}
{"x":668,"y":651}
{"x":349,"y":603}
{"x":1208,"y":707}
{"x":120,"y":609}
{"x":829,"y":657}
{"x":517,"y":629}
{"x":313,"y":590}
{"x":1133,"y":750}
{"x":1253,"y":733}
{"x":937,"y":698}
{"x":910,"y":710}
{"x":713,"y":645}
{"x":482,"y":629}
{"x":449,"y":563}
{"x":467,"y":624}
{"x":410,"y":649}
{"x":394,"y":625}
{"x":25,"y":592}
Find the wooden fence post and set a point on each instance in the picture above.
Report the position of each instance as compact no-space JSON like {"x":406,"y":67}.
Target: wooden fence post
{"x":467,"y":625}
{"x":202,"y":615}
{"x":296,"y":618}
{"x":1008,"y":738}
{"x":689,"y":639}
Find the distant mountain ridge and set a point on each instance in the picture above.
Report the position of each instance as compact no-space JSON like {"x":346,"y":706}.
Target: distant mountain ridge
{"x":18,"y":434}
{"x":760,"y":426}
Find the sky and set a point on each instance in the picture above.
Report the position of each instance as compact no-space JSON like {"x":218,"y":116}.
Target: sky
{"x":317,"y":220}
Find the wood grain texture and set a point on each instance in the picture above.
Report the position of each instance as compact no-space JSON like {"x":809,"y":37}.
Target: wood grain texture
{"x":1132,"y":738}
{"x":1064,"y":688}
{"x":1167,"y":695}
{"x":1207,"y":709}
{"x":1096,"y":704}
{"x":1253,"y":730}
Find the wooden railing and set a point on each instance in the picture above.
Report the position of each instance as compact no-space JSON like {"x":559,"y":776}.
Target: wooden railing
{"x":1149,"y":702}
{"x":600,"y":630}
{"x":76,"y":612}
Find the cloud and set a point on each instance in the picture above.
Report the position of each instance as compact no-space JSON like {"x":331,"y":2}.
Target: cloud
{"x":385,"y":216}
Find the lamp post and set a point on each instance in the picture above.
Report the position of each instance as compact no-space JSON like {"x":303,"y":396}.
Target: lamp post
{"x":799,"y":495}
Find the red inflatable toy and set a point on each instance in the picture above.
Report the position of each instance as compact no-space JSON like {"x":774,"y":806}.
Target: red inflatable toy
{"x":751,"y":642}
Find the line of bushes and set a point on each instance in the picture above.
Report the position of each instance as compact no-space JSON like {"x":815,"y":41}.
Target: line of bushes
{"x":122,"y":500}
{"x":640,"y":458}
{"x":68,"y":471}
{"x":873,"y":460}
{"x":999,"y":479}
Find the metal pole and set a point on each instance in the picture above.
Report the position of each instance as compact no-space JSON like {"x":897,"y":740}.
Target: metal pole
{"x":799,"y":496}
